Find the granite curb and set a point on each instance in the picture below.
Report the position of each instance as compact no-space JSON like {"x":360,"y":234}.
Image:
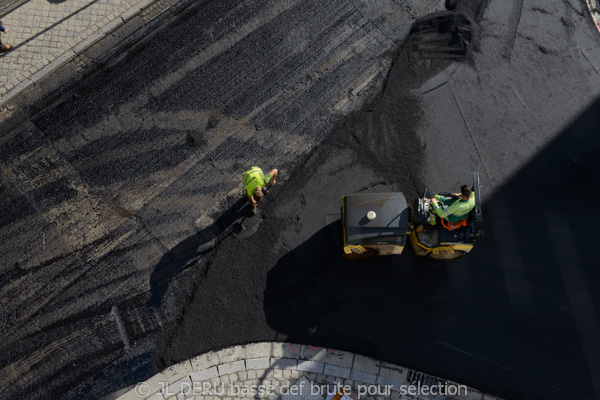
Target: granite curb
{"x":265,"y":362}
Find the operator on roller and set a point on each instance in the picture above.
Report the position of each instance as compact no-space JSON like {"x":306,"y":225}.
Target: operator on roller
{"x":256,"y":183}
{"x":453,"y":211}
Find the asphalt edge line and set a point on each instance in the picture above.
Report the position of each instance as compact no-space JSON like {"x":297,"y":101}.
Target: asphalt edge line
{"x":269,"y":356}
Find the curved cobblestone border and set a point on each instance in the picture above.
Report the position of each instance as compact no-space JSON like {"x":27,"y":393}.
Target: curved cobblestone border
{"x":281,"y":365}
{"x":593,"y":6}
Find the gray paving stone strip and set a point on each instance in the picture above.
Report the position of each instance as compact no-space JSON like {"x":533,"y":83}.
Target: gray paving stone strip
{"x":46,"y":35}
{"x":274,"y":370}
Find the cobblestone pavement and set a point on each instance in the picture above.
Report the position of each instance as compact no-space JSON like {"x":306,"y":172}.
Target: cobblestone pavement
{"x":48,"y":33}
{"x":289,"y":371}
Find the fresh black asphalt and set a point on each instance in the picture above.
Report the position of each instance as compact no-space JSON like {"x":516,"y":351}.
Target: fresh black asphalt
{"x":121,"y":196}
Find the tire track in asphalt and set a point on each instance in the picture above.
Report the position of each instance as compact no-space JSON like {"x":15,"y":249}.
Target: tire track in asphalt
{"x":527,"y":338}
{"x":148,"y":198}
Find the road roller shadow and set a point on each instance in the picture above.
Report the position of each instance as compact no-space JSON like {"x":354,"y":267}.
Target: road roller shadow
{"x":521,"y":307}
{"x":239,"y":219}
{"x":541,"y":235}
{"x":316,"y":296}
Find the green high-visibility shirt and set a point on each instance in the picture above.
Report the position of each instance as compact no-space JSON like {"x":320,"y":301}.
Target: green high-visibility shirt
{"x":454,"y":210}
{"x":255,"y":178}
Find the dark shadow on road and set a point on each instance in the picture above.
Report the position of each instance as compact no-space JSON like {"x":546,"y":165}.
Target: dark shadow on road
{"x":317,"y":297}
{"x":523,"y":307}
{"x":545,"y":234}
{"x":187,"y":252}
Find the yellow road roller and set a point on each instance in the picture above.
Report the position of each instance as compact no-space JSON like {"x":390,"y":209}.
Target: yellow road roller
{"x":378,"y":224}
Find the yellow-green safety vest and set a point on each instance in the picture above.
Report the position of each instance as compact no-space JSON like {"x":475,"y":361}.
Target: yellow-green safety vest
{"x":254,"y":178}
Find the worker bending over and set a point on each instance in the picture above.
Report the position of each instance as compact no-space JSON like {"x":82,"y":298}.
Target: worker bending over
{"x":453,"y":211}
{"x":256,"y":183}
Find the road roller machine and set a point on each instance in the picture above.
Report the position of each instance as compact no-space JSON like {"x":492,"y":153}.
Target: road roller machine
{"x":380,"y":224}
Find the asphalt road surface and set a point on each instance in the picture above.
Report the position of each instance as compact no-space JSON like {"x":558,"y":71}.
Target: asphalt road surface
{"x":122,"y":249}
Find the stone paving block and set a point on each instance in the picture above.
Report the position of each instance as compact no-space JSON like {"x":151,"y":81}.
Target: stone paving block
{"x":364,"y":377}
{"x":334,"y":370}
{"x":230,"y":368}
{"x":339,"y":358}
{"x":156,"y":383}
{"x":258,"y":350}
{"x":87,"y":41}
{"x":64,"y":58}
{"x":128,"y":395}
{"x":389,"y":382}
{"x":205,"y":361}
{"x":258,"y":363}
{"x":156,"y":396}
{"x":283,"y":363}
{"x":393,"y":371}
{"x":312,"y":353}
{"x":130,"y":13}
{"x":172,"y":389}
{"x":205,"y":375}
{"x":231,"y":354}
{"x":465,"y":393}
{"x":178,"y":371}
{"x":114,"y":24}
{"x":366,"y":364}
{"x":310,"y":366}
{"x":285,"y":350}
{"x":302,"y":389}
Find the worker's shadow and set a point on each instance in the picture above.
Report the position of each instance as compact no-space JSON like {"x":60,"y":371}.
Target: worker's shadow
{"x":190,"y":250}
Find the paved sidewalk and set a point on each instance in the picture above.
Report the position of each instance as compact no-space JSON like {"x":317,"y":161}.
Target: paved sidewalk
{"x":46,"y":34}
{"x":286,"y":371}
